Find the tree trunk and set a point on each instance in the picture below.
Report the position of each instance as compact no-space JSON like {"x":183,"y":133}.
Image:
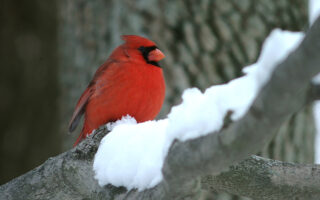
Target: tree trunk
{"x":206,"y":43}
{"x":28,"y":86}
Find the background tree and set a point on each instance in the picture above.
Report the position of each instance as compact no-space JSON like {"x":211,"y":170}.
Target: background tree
{"x":206,"y":42}
{"x":28,"y":85}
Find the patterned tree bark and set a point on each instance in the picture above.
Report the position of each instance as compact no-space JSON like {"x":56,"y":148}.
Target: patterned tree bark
{"x":206,"y":42}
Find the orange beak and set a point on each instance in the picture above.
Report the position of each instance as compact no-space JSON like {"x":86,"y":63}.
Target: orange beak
{"x":155,"y":55}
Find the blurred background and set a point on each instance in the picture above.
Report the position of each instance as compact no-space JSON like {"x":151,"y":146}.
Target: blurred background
{"x":51,"y":49}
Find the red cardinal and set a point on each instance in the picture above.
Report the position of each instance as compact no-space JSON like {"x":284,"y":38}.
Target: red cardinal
{"x":130,"y":82}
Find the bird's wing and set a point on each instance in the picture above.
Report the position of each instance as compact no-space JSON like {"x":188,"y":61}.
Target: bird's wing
{"x":80,"y":108}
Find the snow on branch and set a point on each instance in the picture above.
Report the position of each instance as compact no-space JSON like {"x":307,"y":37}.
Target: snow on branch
{"x":141,"y":148}
{"x":70,"y":175}
{"x":284,"y":94}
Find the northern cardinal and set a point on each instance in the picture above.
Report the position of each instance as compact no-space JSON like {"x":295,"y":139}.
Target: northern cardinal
{"x":130,"y":82}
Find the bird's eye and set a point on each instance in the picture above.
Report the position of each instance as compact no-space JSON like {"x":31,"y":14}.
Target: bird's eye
{"x":145,"y":53}
{"x":142,"y":49}
{"x":146,"y":50}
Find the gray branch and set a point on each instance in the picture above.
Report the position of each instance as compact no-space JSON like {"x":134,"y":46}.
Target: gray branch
{"x":263,"y":178}
{"x":70,"y":176}
{"x":314,"y":93}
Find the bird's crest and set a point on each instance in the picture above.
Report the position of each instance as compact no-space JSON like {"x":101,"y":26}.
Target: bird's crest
{"x":135,"y":41}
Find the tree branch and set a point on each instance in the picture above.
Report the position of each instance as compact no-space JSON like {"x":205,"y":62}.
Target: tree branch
{"x":314,"y":92}
{"x":267,"y":179}
{"x":70,"y":176}
{"x":285,"y":93}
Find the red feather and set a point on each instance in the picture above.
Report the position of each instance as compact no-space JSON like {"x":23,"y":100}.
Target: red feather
{"x":127,"y":83}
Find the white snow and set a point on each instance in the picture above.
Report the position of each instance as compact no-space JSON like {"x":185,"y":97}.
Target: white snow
{"x":124,"y":120}
{"x":201,"y":113}
{"x":132,"y":154}
{"x":316,"y":112}
{"x":314,"y":12}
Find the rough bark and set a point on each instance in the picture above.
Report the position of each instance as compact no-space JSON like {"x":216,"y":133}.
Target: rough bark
{"x":69,"y":175}
{"x":267,"y":179}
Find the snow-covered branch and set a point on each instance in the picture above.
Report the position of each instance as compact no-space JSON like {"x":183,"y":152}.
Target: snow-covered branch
{"x":70,"y":175}
{"x":284,"y":94}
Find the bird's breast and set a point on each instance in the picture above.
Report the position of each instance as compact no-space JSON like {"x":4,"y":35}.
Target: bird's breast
{"x":136,"y":90}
